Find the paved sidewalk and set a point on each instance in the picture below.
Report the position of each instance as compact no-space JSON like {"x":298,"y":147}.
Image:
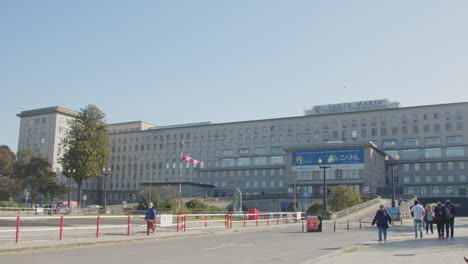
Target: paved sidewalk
{"x":402,"y":247}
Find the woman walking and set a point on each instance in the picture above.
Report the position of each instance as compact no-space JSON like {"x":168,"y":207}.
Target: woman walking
{"x":429,"y":219}
{"x":382,"y":218}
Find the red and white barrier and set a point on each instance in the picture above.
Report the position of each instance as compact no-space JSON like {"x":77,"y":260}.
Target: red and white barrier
{"x":181,"y":224}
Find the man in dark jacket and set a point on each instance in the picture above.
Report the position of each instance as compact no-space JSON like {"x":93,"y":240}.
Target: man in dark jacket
{"x":450,"y":212}
{"x":439,"y":219}
{"x":382,"y":218}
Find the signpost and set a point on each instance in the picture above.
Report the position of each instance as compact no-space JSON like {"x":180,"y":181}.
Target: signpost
{"x":305,"y":194}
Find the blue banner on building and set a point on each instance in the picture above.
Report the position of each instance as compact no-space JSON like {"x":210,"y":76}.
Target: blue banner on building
{"x":346,"y":158}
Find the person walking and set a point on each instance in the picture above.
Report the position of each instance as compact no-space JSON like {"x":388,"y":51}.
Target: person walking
{"x":382,"y":218}
{"x":450,"y":212}
{"x":418,"y":213}
{"x":150,"y":218}
{"x":439,"y":219}
{"x":429,"y":219}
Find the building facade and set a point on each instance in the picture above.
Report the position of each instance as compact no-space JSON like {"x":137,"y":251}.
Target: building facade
{"x":256,"y":156}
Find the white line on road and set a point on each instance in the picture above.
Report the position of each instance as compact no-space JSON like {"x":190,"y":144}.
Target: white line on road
{"x":228,"y":245}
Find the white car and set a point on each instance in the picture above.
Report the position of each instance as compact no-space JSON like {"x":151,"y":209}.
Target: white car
{"x":94,"y":206}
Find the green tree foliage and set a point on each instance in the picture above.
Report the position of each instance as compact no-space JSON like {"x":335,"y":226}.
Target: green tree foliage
{"x":315,"y":208}
{"x":50,"y":189}
{"x":168,"y":205}
{"x":146,"y":197}
{"x":9,"y":183}
{"x":343,"y":198}
{"x":34,"y":171}
{"x":87,"y":146}
{"x":196,"y":204}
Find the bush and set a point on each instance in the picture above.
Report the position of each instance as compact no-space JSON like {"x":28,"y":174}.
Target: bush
{"x":315,"y":208}
{"x":10,"y":204}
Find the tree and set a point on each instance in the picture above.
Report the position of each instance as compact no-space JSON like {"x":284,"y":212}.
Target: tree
{"x":50,"y":189}
{"x":343,"y":198}
{"x":195,"y":204}
{"x":315,"y":208}
{"x":148,"y":195}
{"x":9,"y":183}
{"x":34,"y":171}
{"x":86,"y":146}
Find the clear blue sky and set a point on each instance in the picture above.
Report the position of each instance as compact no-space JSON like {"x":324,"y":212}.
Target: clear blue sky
{"x":173,"y":62}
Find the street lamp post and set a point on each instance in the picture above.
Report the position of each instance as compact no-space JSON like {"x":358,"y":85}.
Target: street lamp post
{"x":387,"y":158}
{"x":70,"y":173}
{"x":325,"y":167}
{"x":105,"y":172}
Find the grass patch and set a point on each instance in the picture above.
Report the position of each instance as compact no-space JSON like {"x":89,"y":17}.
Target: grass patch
{"x":351,"y":250}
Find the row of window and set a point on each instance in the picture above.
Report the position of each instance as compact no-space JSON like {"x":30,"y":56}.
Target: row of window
{"x":308,"y":126}
{"x":248,"y":184}
{"x":36,"y":131}
{"x":434,"y":191}
{"x":428,"y":141}
{"x":427,"y":153}
{"x":298,"y":138}
{"x":427,"y":166}
{"x":242,"y":173}
{"x":36,"y":141}
{"x":439,"y":179}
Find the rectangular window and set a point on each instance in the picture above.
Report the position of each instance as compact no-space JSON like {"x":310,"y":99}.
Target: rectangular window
{"x":426,"y":128}
{"x":428,"y":178}
{"x":455,"y":152}
{"x":406,"y":167}
{"x":439,"y":178}
{"x":276,"y":160}
{"x":374,"y":132}
{"x":427,"y":166}
{"x":415,"y":129}
{"x":454,"y":139}
{"x":228,"y":152}
{"x":450,"y":165}
{"x":462,"y":191}
{"x":423,"y":191}
{"x":227,"y":162}
{"x":260,"y":151}
{"x":449,"y":190}
{"x":439,"y":166}
{"x":410,"y":190}
{"x":435,"y":190}
{"x":417,"y":167}
{"x":461,"y":165}
{"x":411,"y":142}
{"x":244,"y":151}
{"x":450,"y":178}
{"x":298,"y":138}
{"x":390,"y":143}
{"x":410,"y":154}
{"x":432,"y":153}
{"x":260,"y":161}
{"x":432,"y":141}
{"x":243,"y":162}
{"x":417,"y":179}
{"x":383,"y":131}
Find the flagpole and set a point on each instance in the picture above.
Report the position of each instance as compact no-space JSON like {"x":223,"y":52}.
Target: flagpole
{"x":180,"y":171}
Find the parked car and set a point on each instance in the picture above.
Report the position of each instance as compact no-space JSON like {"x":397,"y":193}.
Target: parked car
{"x":94,"y":206}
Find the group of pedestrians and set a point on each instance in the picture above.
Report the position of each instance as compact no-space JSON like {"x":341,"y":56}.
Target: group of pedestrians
{"x":442,"y":216}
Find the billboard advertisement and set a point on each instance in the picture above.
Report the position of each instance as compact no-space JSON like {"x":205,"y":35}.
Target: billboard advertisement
{"x":345,"y":158}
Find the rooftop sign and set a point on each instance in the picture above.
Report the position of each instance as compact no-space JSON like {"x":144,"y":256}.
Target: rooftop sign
{"x":352,"y":107}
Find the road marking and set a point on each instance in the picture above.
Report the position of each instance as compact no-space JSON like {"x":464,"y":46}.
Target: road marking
{"x":228,"y":245}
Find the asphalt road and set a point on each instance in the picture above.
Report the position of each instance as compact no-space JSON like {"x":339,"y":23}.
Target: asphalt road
{"x":288,"y":245}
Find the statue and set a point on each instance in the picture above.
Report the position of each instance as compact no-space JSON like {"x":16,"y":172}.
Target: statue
{"x":237,"y":200}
